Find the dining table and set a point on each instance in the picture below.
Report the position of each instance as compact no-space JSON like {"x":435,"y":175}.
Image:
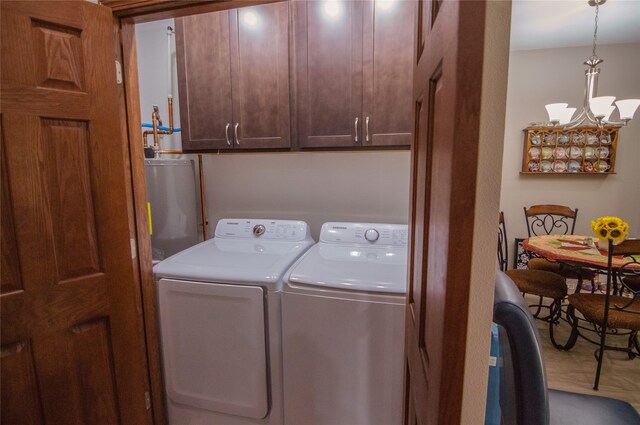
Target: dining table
{"x":578,"y":252}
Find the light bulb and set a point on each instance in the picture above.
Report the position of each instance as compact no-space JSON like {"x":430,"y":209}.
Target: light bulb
{"x":385,"y":4}
{"x":250,"y":18}
{"x":608,"y":112}
{"x":566,"y":114}
{"x":332,"y":8}
{"x":600,"y":105}
{"x":627,"y":108}
{"x":555,"y":111}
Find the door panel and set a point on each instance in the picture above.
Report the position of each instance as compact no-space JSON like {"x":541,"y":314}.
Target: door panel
{"x":72,"y":342}
{"x":10,"y":278}
{"x":447,"y":78}
{"x":328,"y":54}
{"x":260,"y":75}
{"x":387,"y":71}
{"x":204,"y":80}
{"x":20,"y":395}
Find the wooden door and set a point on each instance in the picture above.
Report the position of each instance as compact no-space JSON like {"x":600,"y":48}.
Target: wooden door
{"x":260,"y":76}
{"x":204,"y":81}
{"x":328,"y":60}
{"x":72,"y":335}
{"x":446,"y":92}
{"x":387,"y":72}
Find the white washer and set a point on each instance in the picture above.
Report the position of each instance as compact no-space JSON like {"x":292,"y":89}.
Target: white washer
{"x":220,"y":322}
{"x":343,"y":327}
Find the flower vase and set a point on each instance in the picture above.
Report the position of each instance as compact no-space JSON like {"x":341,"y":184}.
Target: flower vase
{"x":603,"y":244}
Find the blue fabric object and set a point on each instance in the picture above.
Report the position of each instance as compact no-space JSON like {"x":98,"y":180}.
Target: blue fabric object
{"x":493,"y":415}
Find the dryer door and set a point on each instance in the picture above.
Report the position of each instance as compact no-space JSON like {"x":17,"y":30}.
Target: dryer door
{"x":214,"y":347}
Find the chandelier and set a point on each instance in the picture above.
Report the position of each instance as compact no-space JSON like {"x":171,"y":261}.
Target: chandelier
{"x":596,"y":110}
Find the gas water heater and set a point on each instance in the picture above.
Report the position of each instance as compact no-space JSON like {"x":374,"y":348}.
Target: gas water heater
{"x":171,"y":193}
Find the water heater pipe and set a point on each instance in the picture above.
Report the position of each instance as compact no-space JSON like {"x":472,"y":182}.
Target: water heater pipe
{"x":155,"y":116}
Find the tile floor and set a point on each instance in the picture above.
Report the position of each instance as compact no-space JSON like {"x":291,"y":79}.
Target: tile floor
{"x":574,"y":370}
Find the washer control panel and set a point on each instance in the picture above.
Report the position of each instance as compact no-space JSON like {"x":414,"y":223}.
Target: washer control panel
{"x":289,"y":230}
{"x":371,"y":235}
{"x":365,"y":233}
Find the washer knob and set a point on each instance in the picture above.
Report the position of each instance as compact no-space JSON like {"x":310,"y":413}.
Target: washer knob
{"x":258,"y":230}
{"x":371,"y":235}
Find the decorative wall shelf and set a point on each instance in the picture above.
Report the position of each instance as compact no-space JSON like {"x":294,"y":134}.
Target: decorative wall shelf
{"x":582,"y":150}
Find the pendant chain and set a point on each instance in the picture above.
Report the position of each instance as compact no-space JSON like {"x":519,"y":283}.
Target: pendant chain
{"x":595,"y":31}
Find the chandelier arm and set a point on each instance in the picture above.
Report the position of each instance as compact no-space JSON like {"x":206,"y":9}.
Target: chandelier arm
{"x":576,"y":122}
{"x":616,"y":123}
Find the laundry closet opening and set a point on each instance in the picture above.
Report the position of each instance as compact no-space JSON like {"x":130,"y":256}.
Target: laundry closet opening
{"x":286,"y":112}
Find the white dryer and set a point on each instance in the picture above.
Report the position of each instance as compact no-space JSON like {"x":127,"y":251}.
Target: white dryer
{"x":343,"y":327}
{"x":220,"y":322}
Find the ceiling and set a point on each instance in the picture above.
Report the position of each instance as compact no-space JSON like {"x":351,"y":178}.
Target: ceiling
{"x":543,"y":24}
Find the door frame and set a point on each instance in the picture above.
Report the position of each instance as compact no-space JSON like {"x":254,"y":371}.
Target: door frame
{"x":126,"y":15}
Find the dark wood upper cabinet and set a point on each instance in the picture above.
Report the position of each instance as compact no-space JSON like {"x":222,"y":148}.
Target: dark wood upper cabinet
{"x":354,"y":72}
{"x":203,"y":55}
{"x":387,"y":72}
{"x":328,"y":58}
{"x":233,"y":72}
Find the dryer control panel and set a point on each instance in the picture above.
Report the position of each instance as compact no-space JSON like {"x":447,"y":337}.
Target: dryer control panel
{"x":365,"y":233}
{"x":243,"y":228}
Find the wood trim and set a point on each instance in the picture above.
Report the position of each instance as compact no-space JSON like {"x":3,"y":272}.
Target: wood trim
{"x":135,"y":155}
{"x":124,"y":131}
{"x":139,"y":11}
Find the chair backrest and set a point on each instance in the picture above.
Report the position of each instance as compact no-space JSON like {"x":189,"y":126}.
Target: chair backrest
{"x":626,"y":274}
{"x":550,"y":219}
{"x":524,"y":398}
{"x":503,"y":246}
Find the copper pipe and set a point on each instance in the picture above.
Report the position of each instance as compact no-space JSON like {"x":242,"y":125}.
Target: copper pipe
{"x":155,"y":132}
{"x":203,"y":208}
{"x":170,"y":152}
{"x":170,"y":107}
{"x":156,"y":141}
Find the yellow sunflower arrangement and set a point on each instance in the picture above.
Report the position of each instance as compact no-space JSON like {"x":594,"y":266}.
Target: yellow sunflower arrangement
{"x":610,"y":228}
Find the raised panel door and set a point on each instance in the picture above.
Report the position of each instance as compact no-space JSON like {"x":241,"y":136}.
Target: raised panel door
{"x":445,"y":152}
{"x":387,"y":72}
{"x":260,"y":76}
{"x":204,"y":80}
{"x":328,"y":60}
{"x":72,"y":340}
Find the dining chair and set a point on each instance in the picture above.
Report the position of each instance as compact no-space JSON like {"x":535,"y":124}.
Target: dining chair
{"x":540,"y":283}
{"x":621,"y":314}
{"x":555,"y":220}
{"x":525,"y":398}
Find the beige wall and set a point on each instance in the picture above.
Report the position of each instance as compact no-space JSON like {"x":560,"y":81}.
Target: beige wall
{"x":538,"y":77}
{"x":314,"y":187}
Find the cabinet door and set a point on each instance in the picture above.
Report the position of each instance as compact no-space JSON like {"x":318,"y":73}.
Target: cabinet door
{"x":387,"y":72}
{"x":328,"y":51}
{"x":260,"y":76}
{"x":204,"y":80}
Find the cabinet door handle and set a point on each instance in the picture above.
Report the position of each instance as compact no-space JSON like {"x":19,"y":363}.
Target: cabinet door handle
{"x":226,"y":133}
{"x":366,"y":126}
{"x":235,"y":131}
{"x":356,"y":127}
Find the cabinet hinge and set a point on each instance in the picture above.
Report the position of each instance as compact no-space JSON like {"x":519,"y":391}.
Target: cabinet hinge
{"x":147,"y":400}
{"x":133,"y":248}
{"x":118,"y":72}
